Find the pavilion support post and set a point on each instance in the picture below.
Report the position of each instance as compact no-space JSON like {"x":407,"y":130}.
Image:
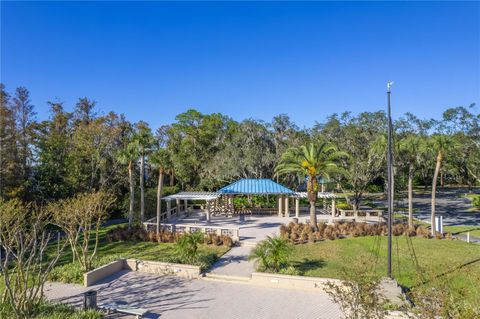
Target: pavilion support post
{"x":178,"y":207}
{"x":185,"y":204}
{"x":297,"y":207}
{"x":207,"y":212}
{"x":334,"y":208}
{"x":169,"y":209}
{"x":287,"y":208}
{"x":280,"y":206}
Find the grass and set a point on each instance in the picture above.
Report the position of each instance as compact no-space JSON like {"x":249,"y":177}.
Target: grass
{"x":330,"y":259}
{"x":48,"y":310}
{"x":71,"y":272}
{"x":455,"y":230}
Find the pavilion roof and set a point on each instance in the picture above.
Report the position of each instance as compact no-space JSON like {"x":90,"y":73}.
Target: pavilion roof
{"x":257,"y":186}
{"x":192,"y":196}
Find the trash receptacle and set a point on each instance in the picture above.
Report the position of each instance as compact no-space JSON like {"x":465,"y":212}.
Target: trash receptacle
{"x":90,"y":300}
{"x":242,"y":217}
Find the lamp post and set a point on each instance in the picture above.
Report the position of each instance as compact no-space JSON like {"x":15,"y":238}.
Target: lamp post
{"x":389,"y":185}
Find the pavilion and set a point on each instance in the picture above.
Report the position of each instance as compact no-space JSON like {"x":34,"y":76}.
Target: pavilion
{"x":246,"y":186}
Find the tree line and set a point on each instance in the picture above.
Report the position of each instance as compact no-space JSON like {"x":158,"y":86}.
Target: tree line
{"x":86,"y":151}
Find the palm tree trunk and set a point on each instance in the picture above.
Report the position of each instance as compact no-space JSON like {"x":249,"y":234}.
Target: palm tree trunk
{"x":410,"y":195}
{"x":132,"y":194}
{"x":313,"y":216}
{"x":142,"y":190}
{"x":434,"y":189}
{"x":159,"y":197}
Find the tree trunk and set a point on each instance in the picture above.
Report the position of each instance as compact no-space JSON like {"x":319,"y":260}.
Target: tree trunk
{"x":313,"y":216}
{"x":172,"y":177}
{"x":142,"y":190}
{"x":132,"y":194}
{"x":434,"y":189}
{"x":159,"y":197}
{"x":410,"y":195}
{"x":312,"y":198}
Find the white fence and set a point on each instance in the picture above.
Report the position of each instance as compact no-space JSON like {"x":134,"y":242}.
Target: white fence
{"x":232,"y":232}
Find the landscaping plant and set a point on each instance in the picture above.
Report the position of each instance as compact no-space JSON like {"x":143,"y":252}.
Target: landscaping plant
{"x":271,"y":254}
{"x":80,"y":217}
{"x":186,"y":247}
{"x":24,"y":262}
{"x":358,"y":295}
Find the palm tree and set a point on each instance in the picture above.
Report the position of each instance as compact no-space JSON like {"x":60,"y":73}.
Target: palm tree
{"x":144,"y":140}
{"x":313,"y":161}
{"x":440,"y":143}
{"x":128,"y":156}
{"x":409,"y":149}
{"x":161,"y":160}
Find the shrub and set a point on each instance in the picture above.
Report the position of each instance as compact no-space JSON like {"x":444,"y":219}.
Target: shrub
{"x":271,"y":254}
{"x":290,"y":270}
{"x":122,"y":233}
{"x":476,"y":200}
{"x":422,"y":231}
{"x":398,"y":229}
{"x":227,"y":241}
{"x":186,"y":247}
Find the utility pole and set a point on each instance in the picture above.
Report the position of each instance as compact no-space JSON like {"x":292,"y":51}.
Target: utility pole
{"x":389,"y":184}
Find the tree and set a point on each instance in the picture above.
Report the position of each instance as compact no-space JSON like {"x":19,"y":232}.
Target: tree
{"x":356,"y":136}
{"x":128,"y":156}
{"x":25,"y":264}
{"x":7,"y":144}
{"x":52,"y":140}
{"x":409,"y":149}
{"x":80,"y":217}
{"x":440,"y":143}
{"x":144,"y":140}
{"x":24,"y":114}
{"x":313,"y":162}
{"x":160,"y":159}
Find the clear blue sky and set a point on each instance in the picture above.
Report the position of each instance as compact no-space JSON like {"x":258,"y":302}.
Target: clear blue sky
{"x":153,"y":60}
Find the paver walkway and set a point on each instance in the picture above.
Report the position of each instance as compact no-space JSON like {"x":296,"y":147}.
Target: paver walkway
{"x":172,"y":297}
{"x":234,"y":263}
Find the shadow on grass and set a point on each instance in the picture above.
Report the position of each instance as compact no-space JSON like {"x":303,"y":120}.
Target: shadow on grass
{"x":308,"y":264}
{"x":465,"y":231}
{"x":448,"y":272}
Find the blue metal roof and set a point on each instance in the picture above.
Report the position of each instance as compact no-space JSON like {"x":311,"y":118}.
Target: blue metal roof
{"x":255,"y":186}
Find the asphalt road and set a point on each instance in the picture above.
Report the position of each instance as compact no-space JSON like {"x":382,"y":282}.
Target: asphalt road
{"x":454,"y":209}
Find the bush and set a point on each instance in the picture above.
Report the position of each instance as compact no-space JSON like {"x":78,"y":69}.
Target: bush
{"x":186,"y":247}
{"x":137,"y":233}
{"x":302,"y":233}
{"x":271,"y":254}
{"x":476,"y":200}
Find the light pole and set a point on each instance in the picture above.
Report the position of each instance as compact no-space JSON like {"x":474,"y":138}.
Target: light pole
{"x":389,"y":184}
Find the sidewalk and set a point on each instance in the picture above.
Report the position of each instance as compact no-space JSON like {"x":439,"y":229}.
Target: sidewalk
{"x":234,"y":263}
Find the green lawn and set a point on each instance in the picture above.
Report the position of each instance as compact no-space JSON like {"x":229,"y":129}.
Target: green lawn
{"x":436,"y":258}
{"x":455,"y":230}
{"x":66,"y":271}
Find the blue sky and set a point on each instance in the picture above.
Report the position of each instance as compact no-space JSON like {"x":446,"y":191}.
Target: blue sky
{"x":153,"y":60}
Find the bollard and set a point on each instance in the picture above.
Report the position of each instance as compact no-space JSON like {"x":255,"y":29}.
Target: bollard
{"x":90,"y":300}
{"x":468,"y":237}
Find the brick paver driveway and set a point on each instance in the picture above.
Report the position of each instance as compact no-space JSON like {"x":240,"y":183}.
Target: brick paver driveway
{"x":172,"y":297}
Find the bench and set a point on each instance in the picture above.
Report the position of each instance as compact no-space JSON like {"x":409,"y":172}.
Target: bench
{"x":137,"y":312}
